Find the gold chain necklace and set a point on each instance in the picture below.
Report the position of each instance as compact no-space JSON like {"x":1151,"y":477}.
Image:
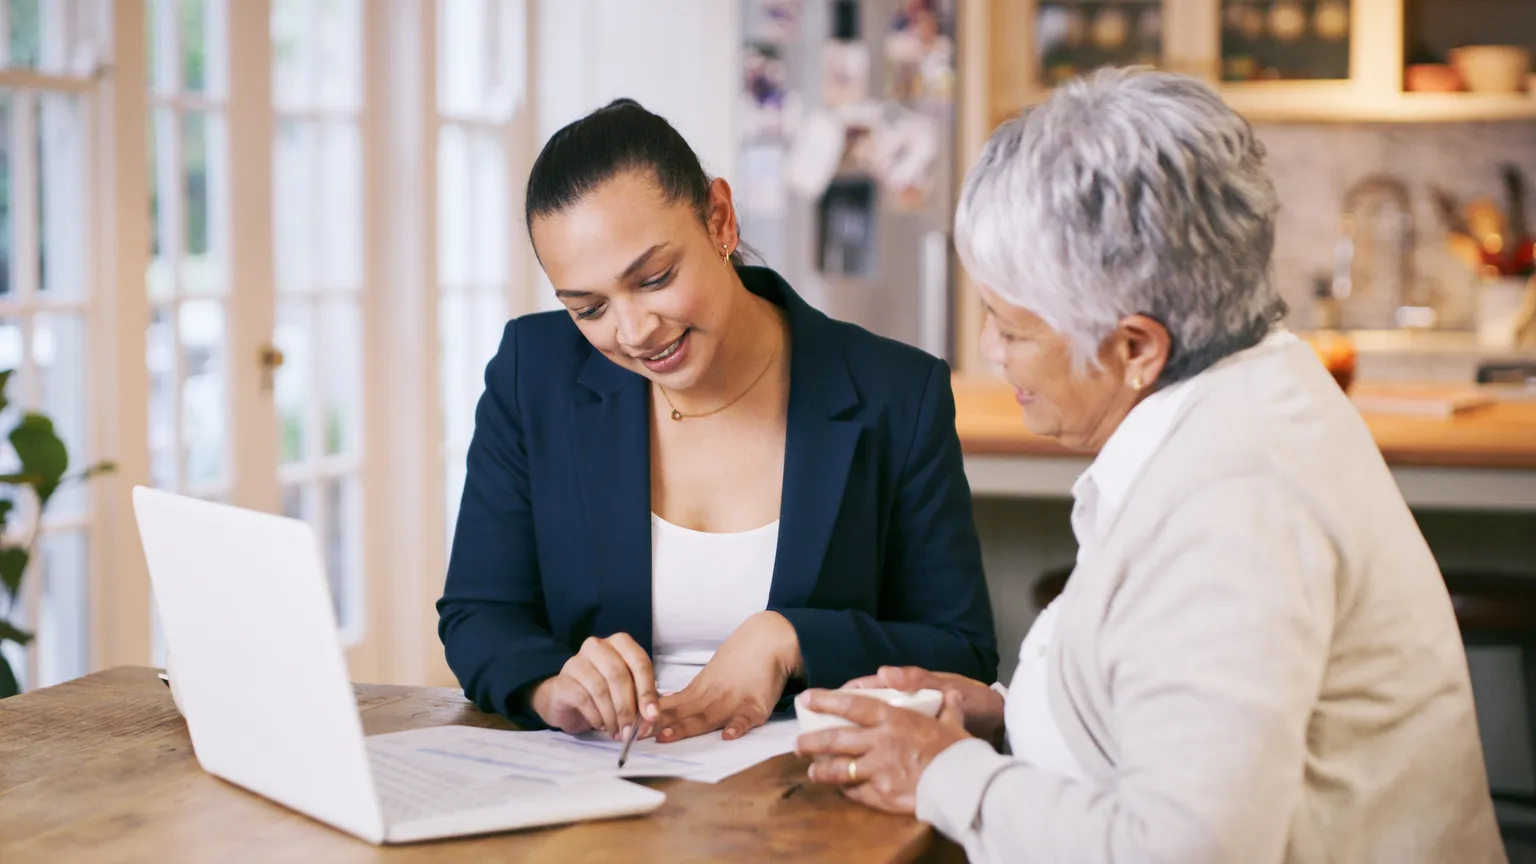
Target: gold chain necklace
{"x":678,"y":415}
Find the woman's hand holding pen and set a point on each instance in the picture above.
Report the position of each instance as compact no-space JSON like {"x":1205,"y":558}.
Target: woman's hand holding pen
{"x":609,"y":685}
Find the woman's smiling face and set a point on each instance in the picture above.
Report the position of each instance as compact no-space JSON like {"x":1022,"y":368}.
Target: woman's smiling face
{"x":644,"y":278}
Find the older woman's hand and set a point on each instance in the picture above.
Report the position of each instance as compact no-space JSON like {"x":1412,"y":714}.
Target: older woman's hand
{"x":981,"y":706}
{"x":879,"y":761}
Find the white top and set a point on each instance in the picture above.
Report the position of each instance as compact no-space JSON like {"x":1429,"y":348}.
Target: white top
{"x":1033,"y":734}
{"x":703,"y":586}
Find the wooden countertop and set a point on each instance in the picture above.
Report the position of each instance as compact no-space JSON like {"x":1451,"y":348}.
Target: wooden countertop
{"x":1502,"y":435}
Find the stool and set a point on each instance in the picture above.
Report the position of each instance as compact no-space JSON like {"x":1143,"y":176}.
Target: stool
{"x":1499,"y":610}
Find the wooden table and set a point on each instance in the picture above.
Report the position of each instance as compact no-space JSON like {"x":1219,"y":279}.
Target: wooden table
{"x":1484,"y":459}
{"x":101,"y":770}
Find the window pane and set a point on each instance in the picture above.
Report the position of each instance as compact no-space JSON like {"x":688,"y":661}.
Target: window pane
{"x":11,"y":355}
{"x":202,"y":390}
{"x":341,"y":376}
{"x":491,"y":191}
{"x":160,"y":344}
{"x":463,"y":28}
{"x":76,"y":35}
{"x":292,"y":53}
{"x":202,"y":161}
{"x":64,"y":626}
{"x":340,"y":210}
{"x":159,"y":27}
{"x":59,"y":353}
{"x":5,"y":194}
{"x":192,"y":32}
{"x":56,"y":27}
{"x":291,"y":382}
{"x":338,"y":57}
{"x":453,"y":491}
{"x":297,"y":501}
{"x":25,"y":32}
{"x":490,"y":318}
{"x":165,"y":203}
{"x":61,"y":197}
{"x":508,"y":93}
{"x":461,"y":387}
{"x":293,"y":206}
{"x":16,"y":654}
{"x":453,"y":207}
{"x":340,"y":545}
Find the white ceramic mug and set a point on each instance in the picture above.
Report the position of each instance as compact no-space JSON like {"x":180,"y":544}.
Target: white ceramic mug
{"x":926,"y":702}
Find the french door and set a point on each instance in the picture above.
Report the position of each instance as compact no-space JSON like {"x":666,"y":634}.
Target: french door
{"x":257,"y":252}
{"x":257,"y":284}
{"x":276,"y":296}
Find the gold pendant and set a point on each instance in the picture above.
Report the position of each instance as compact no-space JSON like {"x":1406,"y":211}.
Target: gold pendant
{"x":676,"y":414}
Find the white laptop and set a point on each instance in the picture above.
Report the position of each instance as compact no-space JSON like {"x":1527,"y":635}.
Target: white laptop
{"x":262,"y":682}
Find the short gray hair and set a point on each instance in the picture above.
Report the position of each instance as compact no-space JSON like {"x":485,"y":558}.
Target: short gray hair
{"x":1128,"y":191}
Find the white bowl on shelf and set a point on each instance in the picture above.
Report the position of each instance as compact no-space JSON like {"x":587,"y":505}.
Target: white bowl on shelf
{"x":925,"y":702}
{"x":1492,"y":68}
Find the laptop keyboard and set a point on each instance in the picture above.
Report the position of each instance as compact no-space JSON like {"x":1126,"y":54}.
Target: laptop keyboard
{"x":408,"y":792}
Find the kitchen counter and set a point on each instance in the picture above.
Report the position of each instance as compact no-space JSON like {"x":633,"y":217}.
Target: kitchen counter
{"x":1483,"y":459}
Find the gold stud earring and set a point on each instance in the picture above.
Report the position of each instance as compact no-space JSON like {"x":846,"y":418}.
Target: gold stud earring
{"x":1136,"y":382}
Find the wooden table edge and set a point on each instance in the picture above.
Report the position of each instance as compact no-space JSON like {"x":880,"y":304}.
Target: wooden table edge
{"x":920,"y":841}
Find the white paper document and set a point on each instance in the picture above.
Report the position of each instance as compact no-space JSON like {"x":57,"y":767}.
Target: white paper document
{"x":487,"y":754}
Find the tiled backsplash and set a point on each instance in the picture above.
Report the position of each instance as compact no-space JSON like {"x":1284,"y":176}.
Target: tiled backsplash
{"x":1314,"y":165}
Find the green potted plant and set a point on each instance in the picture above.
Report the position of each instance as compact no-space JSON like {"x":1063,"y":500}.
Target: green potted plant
{"x":44,"y":469}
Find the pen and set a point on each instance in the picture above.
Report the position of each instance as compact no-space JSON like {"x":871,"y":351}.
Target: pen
{"x":634,"y":732}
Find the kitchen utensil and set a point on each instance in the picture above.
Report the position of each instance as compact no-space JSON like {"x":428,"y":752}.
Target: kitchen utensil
{"x":1485,"y":222}
{"x":1449,"y":211}
{"x":1458,"y":235}
{"x":1492,"y":68}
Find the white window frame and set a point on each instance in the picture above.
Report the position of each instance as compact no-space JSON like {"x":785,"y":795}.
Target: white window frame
{"x":25,"y":303}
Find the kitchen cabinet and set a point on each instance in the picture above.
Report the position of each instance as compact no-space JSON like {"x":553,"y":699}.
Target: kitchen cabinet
{"x":1002,"y":70}
{"x":1371,"y":51}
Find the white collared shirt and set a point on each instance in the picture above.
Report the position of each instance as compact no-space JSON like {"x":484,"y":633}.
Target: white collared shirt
{"x":1097,"y":496}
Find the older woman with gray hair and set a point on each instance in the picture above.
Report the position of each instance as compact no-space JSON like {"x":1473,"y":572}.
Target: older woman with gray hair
{"x":1255,"y":658}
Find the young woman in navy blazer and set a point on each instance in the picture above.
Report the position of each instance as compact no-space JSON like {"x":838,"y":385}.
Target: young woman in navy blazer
{"x":680,"y":388}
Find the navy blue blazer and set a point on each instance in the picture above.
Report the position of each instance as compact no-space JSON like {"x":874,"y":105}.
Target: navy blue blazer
{"x":878,"y":561}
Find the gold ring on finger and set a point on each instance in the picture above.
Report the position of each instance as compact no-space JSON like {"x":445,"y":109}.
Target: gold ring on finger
{"x":853,"y":770}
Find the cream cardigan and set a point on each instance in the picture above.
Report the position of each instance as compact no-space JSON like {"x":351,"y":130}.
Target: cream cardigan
{"x":1258,"y":662}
